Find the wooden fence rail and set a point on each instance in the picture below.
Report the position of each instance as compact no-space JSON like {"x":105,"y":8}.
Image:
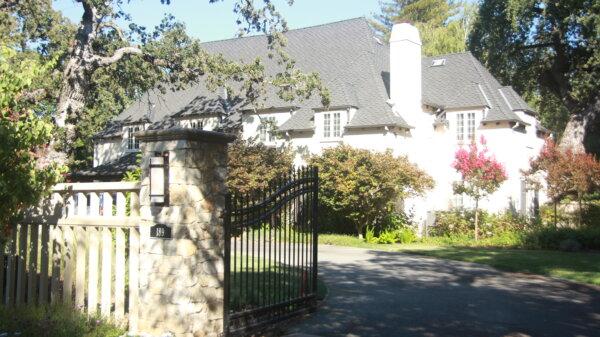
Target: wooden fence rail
{"x":80,"y":247}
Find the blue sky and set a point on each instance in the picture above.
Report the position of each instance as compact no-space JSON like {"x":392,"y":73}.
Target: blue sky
{"x":216,"y":21}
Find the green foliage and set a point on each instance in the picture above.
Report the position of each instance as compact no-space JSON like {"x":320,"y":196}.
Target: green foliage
{"x":386,"y":237}
{"x":53,"y":321}
{"x":370,"y":235}
{"x":444,"y":25}
{"x":24,"y":138}
{"x":253,"y":165}
{"x":361,"y":185}
{"x":568,"y":216}
{"x":564,"y":238}
{"x":460,"y":222}
{"x":405,"y":235}
{"x":103,"y":67}
{"x":548,"y":50}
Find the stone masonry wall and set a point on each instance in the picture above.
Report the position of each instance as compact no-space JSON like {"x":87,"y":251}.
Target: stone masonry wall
{"x":181,"y":279}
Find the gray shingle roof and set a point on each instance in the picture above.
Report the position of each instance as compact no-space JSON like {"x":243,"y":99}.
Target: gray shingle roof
{"x":113,"y":170}
{"x":464,"y":82}
{"x":354,"y":65}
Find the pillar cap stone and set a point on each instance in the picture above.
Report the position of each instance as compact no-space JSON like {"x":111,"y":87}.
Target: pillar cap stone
{"x":179,"y":133}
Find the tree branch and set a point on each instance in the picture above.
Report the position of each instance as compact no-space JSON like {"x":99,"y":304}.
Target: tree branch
{"x":537,"y":45}
{"x":113,"y":25}
{"x":119,"y":53}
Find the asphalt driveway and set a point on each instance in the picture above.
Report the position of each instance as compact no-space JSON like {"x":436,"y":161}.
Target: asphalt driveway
{"x":373,"y":293}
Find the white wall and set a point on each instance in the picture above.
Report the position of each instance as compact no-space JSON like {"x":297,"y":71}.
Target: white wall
{"x":252,"y":121}
{"x":106,"y":150}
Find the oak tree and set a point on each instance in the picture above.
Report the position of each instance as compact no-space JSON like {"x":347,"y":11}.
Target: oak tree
{"x":549,"y":51}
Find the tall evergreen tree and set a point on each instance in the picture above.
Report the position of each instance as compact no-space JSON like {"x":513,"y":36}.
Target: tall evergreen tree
{"x":444,"y":24}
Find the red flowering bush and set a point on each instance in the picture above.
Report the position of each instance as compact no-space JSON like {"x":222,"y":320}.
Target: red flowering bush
{"x":481,"y":174}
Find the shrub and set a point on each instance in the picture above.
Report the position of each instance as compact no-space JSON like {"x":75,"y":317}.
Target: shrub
{"x":564,"y":218}
{"x":461,"y":222}
{"x":254,"y":165}
{"x":564,"y":238}
{"x":360,"y":185}
{"x":26,"y":172}
{"x":55,"y":321}
{"x":370,"y":235}
{"x":387,"y":237}
{"x":405,"y":235}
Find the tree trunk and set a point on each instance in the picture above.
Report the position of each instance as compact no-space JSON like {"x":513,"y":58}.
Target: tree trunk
{"x":581,"y":131}
{"x":580,"y":215}
{"x":555,"y":215}
{"x":71,"y":101}
{"x":476,"y":219}
{"x":359,"y":231}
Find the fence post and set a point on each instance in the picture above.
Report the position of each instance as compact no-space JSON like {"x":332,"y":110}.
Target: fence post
{"x":181,"y":277}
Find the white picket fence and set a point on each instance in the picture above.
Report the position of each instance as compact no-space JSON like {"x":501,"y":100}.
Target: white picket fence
{"x":80,"y":247}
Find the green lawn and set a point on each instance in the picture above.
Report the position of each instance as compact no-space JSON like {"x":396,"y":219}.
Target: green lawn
{"x":267,"y":283}
{"x":581,"y":267}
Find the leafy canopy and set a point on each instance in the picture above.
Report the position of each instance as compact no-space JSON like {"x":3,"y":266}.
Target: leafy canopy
{"x":102,"y":65}
{"x":444,"y":24}
{"x":361,"y":185}
{"x":566,"y":173}
{"x":24,"y":136}
{"x":548,"y":50}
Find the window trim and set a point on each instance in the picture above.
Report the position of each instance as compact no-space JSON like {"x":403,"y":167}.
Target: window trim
{"x":471,"y":126}
{"x":332,"y":126}
{"x":460,"y":127}
{"x":266,"y":130}
{"x":133,"y":144}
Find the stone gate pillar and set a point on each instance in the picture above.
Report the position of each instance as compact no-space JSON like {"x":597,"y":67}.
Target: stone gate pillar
{"x":181,"y":276}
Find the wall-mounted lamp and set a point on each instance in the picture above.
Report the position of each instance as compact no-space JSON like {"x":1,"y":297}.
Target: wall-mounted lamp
{"x":159,"y":179}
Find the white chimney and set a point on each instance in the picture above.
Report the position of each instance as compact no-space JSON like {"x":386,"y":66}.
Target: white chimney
{"x":405,"y":69}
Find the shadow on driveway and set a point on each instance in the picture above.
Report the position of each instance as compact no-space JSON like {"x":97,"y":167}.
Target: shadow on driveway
{"x":374,"y":293}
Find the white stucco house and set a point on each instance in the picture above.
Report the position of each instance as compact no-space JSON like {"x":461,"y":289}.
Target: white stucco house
{"x":384,"y":96}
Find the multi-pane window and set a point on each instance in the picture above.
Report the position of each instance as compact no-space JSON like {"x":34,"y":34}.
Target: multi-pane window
{"x":471,"y":126}
{"x":336,"y":125}
{"x":132,"y":142}
{"x":197,"y":125}
{"x":332,"y":128}
{"x":326,"y":125}
{"x":460,"y":127}
{"x":265,"y":129}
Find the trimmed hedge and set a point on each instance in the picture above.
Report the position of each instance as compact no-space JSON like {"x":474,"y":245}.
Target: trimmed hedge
{"x":569,"y":239}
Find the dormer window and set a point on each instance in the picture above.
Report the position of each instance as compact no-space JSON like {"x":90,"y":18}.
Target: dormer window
{"x":197,"y":124}
{"x":132,"y":142}
{"x":469,"y":135}
{"x":332,"y":127}
{"x":265,"y":130}
{"x":438,"y":62}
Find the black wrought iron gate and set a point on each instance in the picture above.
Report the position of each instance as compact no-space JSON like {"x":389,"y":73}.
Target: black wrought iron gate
{"x":271,"y":253}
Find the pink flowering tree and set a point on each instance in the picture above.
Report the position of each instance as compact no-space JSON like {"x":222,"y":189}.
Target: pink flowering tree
{"x":481,"y":174}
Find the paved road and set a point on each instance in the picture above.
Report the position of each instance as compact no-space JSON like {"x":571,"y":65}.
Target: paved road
{"x":375,"y":293}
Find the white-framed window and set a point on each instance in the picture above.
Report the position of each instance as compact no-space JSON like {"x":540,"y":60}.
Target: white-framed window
{"x":197,"y":124}
{"x":326,"y":125}
{"x":266,"y":128}
{"x":471,"y":126}
{"x":460,"y":127}
{"x":332,"y":125}
{"x":132,"y":142}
